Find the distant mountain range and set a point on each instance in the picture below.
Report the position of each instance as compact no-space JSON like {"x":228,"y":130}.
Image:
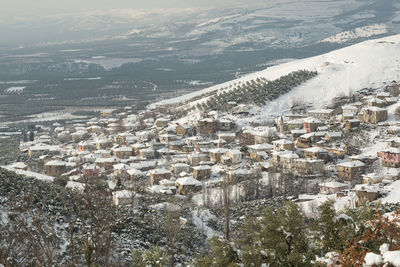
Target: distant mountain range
{"x":274,"y":24}
{"x":148,"y":55}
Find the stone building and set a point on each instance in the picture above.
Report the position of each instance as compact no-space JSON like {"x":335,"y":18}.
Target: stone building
{"x":103,"y":144}
{"x":297,"y":133}
{"x":162,"y":122}
{"x":91,"y":170}
{"x":312,"y":124}
{"x":216,"y":154}
{"x":228,"y":137}
{"x":235,"y":155}
{"x":374,"y":115}
{"x":332,"y":187}
{"x":55,"y":167}
{"x":294,"y":124}
{"x":180,"y":167}
{"x":372,"y":178}
{"x":183,"y":129}
{"x":106,"y":163}
{"x":125,"y":197}
{"x":352,"y":124}
{"x":239,"y":175}
{"x":225,"y":125}
{"x":86,"y":146}
{"x":167,"y":138}
{"x":283,"y":144}
{"x":376,"y":102}
{"x":123,"y":152}
{"x":195,"y":158}
{"x":391,"y":157}
{"x":207,"y":126}
{"x":202,"y":172}
{"x":316,"y":153}
{"x":284,"y":159}
{"x":187,"y":185}
{"x":351,"y":170}
{"x":260,"y":152}
{"x":158,"y":175}
{"x":309,"y":166}
{"x":394,"y":89}
{"x":147,"y":153}
{"x":321,"y":114}
{"x":369,"y":192}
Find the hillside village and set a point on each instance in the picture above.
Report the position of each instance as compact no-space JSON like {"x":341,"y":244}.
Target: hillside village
{"x":349,"y":151}
{"x":223,"y":164}
{"x":180,"y":172}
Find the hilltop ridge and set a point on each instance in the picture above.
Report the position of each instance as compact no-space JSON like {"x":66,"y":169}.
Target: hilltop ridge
{"x":368,"y":64}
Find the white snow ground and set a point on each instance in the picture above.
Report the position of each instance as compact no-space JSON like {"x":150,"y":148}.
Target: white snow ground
{"x":394,"y":195}
{"x":38,"y":176}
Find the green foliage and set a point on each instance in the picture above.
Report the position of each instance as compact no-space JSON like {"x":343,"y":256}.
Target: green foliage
{"x":222,"y":255}
{"x":61,"y":181}
{"x":154,"y":257}
{"x":10,"y":150}
{"x":90,"y":220}
{"x":332,"y":230}
{"x":277,"y":238}
{"x":31,"y":136}
{"x":259,"y":91}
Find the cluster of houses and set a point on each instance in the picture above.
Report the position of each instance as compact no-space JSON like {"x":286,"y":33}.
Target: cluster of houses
{"x":149,"y":149}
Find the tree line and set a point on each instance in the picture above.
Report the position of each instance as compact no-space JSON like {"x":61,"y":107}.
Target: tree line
{"x":258,"y":91}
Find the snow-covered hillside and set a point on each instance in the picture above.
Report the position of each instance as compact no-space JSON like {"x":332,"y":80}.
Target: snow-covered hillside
{"x":367,"y":64}
{"x":288,"y":23}
{"x":360,"y":32}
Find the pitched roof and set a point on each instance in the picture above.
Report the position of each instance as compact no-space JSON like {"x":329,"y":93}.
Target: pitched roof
{"x":188,"y":181}
{"x":351,"y":164}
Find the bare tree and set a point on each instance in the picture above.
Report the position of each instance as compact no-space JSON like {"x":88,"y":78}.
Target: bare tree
{"x":172,"y":227}
{"x":98,"y":212}
{"x":225,"y":193}
{"x":30,"y":238}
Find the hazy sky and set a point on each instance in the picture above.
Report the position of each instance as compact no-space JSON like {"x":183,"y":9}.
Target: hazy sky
{"x":46,"y":7}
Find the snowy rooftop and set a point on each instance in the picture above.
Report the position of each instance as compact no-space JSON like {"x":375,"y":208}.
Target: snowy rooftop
{"x":375,"y":109}
{"x":321,"y":111}
{"x":188,"y":181}
{"x":334,"y":184}
{"x":55,"y":163}
{"x":201,"y":168}
{"x":312,"y":120}
{"x":299,"y":131}
{"x":368,"y":188}
{"x":316,"y":149}
{"x":160,"y":171}
{"x":351,"y":164}
{"x":393,"y":150}
{"x":261,"y":147}
{"x":282,"y":142}
{"x":218,"y":150}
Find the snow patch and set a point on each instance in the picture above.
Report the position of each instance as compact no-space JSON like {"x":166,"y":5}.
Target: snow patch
{"x":372,"y":259}
{"x":15,"y":89}
{"x":394,"y":195}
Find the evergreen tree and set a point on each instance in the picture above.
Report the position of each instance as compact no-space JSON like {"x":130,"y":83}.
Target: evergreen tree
{"x":332,"y":231}
{"x":24,"y":135}
{"x":277,"y":238}
{"x":154,"y":257}
{"x":222,"y":255}
{"x":31,"y":136}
